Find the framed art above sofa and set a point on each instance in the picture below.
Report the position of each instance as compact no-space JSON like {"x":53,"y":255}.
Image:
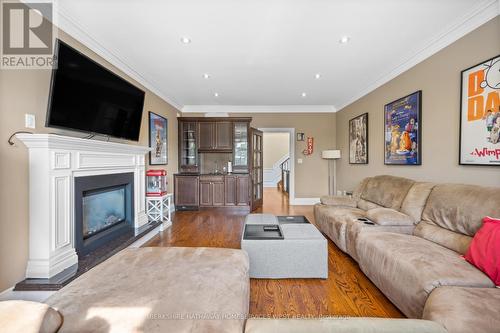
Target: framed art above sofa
{"x":358,"y":139}
{"x":480,"y":114}
{"x":403,"y":130}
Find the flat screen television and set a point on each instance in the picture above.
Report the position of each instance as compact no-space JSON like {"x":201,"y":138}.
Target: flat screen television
{"x":87,"y":97}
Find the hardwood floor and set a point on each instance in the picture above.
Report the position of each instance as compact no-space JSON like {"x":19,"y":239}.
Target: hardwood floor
{"x":346,"y":292}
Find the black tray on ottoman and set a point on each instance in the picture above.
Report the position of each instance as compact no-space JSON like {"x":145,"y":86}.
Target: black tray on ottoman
{"x":262,"y":232}
{"x":292,"y":219}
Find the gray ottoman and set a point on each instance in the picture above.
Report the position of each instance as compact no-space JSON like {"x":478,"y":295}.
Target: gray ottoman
{"x":302,"y":253}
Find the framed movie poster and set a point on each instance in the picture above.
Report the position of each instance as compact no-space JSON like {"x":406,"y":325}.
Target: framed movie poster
{"x":358,"y":140}
{"x":403,"y":130}
{"x":480,"y":114}
{"x":158,"y":127}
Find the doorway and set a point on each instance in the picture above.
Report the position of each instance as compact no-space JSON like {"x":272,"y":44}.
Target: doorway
{"x":278,"y":157}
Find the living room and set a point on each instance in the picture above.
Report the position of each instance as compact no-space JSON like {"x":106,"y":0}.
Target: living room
{"x":137,"y":195}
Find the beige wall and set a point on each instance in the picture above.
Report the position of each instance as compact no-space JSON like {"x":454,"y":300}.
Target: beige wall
{"x":26,"y":91}
{"x":439,"y":79}
{"x":311,"y":177}
{"x":275,"y":146}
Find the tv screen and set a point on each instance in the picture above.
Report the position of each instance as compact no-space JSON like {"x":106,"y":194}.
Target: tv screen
{"x":87,"y":97}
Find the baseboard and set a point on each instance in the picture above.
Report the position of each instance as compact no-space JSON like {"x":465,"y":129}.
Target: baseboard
{"x":4,"y":294}
{"x":304,"y":201}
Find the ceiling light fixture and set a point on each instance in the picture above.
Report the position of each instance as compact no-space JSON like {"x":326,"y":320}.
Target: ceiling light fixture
{"x":304,"y":94}
{"x":185,"y":40}
{"x":206,"y":76}
{"x":344,"y":40}
{"x":317,"y":76}
{"x":216,"y":94}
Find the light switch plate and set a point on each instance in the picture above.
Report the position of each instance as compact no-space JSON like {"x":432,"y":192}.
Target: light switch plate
{"x":299,"y":161}
{"x":29,"y":120}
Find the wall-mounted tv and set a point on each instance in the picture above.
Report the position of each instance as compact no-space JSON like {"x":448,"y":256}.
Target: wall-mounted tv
{"x":87,"y":97}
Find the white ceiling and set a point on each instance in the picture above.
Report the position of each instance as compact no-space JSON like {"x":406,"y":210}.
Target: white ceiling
{"x":262,"y":54}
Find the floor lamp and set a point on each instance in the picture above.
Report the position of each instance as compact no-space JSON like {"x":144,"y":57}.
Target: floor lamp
{"x":331,"y":155}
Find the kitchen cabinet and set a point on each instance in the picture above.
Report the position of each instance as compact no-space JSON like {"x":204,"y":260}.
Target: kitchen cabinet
{"x":237,"y":190}
{"x":243,"y":190}
{"x":215,"y":136}
{"x":186,"y":192}
{"x":188,"y":152}
{"x":240,"y":146}
{"x":211,"y":191}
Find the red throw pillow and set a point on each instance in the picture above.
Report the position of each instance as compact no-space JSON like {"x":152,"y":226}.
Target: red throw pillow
{"x":484,"y":250}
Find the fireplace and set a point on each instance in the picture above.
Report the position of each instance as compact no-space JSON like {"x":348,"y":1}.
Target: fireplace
{"x":104,"y":210}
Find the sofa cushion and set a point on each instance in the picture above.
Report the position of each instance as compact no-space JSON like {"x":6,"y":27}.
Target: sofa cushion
{"x":353,"y":230}
{"x":159,"y":290}
{"x":28,"y":317}
{"x":338,"y":201}
{"x":452,"y":240}
{"x":387,"y":191}
{"x":356,"y":193}
{"x":332,"y":220}
{"x":387,"y":216}
{"x":414,"y":202}
{"x":461,"y":208}
{"x":367,"y":205}
{"x":342,"y":325}
{"x":407,"y":268}
{"x":465,"y":310}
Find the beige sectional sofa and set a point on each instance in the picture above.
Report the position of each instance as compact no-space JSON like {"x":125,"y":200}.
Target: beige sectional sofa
{"x":415,"y":247}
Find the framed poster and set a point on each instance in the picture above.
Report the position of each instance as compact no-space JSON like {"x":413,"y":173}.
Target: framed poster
{"x":480,"y":114}
{"x":158,"y":127}
{"x":403,"y":130}
{"x":358,"y":140}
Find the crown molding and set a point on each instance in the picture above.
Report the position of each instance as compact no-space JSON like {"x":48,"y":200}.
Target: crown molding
{"x":78,"y":32}
{"x":258,"y":109}
{"x":464,"y":25}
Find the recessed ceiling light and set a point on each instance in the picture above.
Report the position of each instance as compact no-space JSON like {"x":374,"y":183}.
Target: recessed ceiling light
{"x":185,"y":40}
{"x":216,"y":94}
{"x":344,"y":40}
{"x":303,"y":94}
{"x":206,"y":76}
{"x":317,"y":76}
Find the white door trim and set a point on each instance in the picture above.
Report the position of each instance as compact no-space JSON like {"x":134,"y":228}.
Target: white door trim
{"x":291,"y":147}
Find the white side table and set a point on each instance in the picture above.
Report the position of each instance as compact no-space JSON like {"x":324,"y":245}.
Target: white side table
{"x":158,"y":209}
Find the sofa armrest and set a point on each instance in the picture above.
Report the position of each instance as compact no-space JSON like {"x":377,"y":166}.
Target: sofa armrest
{"x":339,"y":201}
{"x":27,"y":317}
{"x":387,"y":216}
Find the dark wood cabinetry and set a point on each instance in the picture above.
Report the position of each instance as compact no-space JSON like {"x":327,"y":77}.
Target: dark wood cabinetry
{"x":243,"y":190}
{"x":186,"y":191}
{"x":237,"y":190}
{"x":211,"y":191}
{"x":215,"y":136}
{"x":198,"y":136}
{"x":188,"y":151}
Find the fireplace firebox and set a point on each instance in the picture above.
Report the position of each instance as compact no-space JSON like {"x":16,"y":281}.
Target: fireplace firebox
{"x":104,"y":209}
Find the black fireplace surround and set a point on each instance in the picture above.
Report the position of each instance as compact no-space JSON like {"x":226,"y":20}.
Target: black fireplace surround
{"x":113,"y":196}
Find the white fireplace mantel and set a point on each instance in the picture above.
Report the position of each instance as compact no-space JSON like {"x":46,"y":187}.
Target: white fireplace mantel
{"x":54,"y":162}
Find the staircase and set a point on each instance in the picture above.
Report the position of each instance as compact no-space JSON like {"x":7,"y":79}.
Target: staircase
{"x":284,"y":183}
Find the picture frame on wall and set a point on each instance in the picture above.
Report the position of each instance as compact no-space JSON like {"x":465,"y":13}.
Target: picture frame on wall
{"x":158,"y":139}
{"x":358,"y":139}
{"x":480,"y":114}
{"x":403,"y":130}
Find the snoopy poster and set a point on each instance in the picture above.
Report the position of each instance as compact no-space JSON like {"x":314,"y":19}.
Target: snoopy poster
{"x":480,"y":114}
{"x":403,"y":130}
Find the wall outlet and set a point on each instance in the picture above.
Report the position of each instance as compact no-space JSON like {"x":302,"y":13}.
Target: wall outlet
{"x":29,"y":120}
{"x":299,"y":161}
